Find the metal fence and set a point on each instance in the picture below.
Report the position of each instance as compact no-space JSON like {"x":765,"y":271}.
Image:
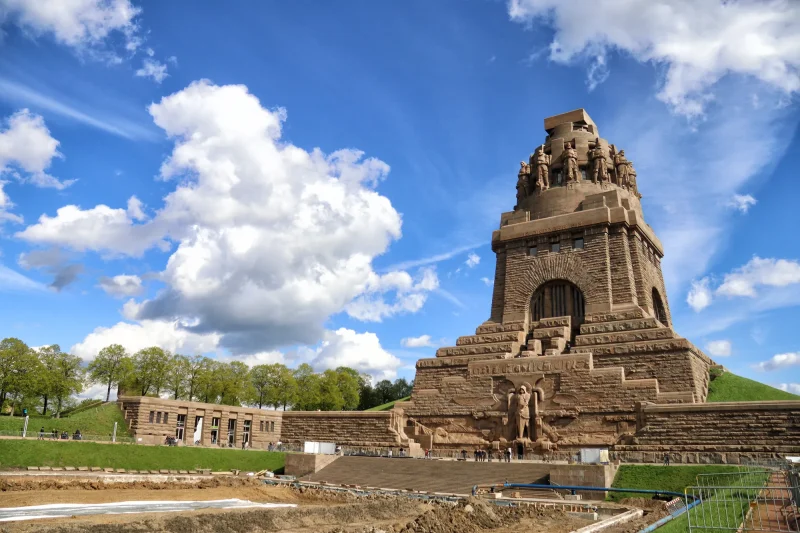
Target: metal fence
{"x":34,"y":435}
{"x":752,"y":499}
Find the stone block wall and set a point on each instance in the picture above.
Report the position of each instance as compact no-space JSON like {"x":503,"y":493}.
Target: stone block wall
{"x":676,"y":371}
{"x":351,"y":428}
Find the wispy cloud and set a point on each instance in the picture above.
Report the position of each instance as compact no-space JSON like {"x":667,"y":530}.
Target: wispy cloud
{"x":11,"y":280}
{"x":447,"y":295}
{"x":405,"y":265}
{"x":17,"y":93}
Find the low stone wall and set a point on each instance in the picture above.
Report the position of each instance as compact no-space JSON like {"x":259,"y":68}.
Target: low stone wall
{"x":725,"y":432}
{"x":584,"y":476}
{"x":353,"y":428}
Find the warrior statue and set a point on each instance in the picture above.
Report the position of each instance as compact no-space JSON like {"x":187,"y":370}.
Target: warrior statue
{"x":523,"y":417}
{"x":523,"y":181}
{"x":622,"y":166}
{"x":599,"y":169}
{"x":541,"y":162}
{"x":632,"y":180}
{"x":570,"y":163}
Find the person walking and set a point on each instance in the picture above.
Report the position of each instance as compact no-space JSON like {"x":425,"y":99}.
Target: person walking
{"x":666,"y":459}
{"x":41,"y":433}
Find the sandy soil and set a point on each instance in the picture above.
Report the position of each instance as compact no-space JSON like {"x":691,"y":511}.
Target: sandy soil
{"x":317,"y":511}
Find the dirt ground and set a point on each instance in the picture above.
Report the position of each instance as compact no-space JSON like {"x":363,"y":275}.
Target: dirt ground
{"x":317,"y":511}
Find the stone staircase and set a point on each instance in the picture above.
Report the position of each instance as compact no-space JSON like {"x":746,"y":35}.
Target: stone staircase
{"x":498,"y":342}
{"x":457,"y":477}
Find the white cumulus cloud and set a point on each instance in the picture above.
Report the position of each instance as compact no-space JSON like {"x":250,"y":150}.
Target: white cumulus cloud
{"x":122,"y":285}
{"x":697,"y":43}
{"x":794,"y":388}
{"x":742,"y":202}
{"x":75,"y":23}
{"x":361,"y":351}
{"x":135,"y":336}
{"x":271,"y":239}
{"x":759,"y":272}
{"x":700,"y":295}
{"x":721,"y":348}
{"x":417,"y":342}
{"x":473,"y":260}
{"x":779,"y":361}
{"x":26,"y":144}
{"x":488,"y":282}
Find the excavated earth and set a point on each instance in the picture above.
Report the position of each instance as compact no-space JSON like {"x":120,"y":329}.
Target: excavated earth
{"x":316,"y":511}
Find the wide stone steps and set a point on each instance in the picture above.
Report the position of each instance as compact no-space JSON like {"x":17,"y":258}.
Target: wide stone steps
{"x":638,"y":335}
{"x":457,"y":477}
{"x":476,"y":349}
{"x":492,"y":338}
{"x":666,"y":345}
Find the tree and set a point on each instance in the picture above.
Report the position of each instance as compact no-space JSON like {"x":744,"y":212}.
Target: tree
{"x":383,"y":392}
{"x":177,"y":376}
{"x":400,"y":389}
{"x":208,"y":386}
{"x":196,"y":365}
{"x":112,"y":366}
{"x":61,"y":376}
{"x":330,"y":397}
{"x":283,"y":386}
{"x":19,"y":367}
{"x":261,"y":384}
{"x":234,"y":383}
{"x":308,"y":388}
{"x":150,"y":367}
{"x":348,"y":382}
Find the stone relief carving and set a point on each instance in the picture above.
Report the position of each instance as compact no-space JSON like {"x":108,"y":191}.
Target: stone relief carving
{"x":599,"y":168}
{"x":570,"y":157}
{"x":622,"y":167}
{"x":541,"y":162}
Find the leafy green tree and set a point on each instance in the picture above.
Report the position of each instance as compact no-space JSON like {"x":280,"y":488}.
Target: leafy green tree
{"x":196,"y":366}
{"x":283,"y":386}
{"x":348,"y":381}
{"x":330,"y":397}
{"x":62,"y":375}
{"x":111,"y":366}
{"x":261,"y":384}
{"x":400,"y":389}
{"x":14,"y":356}
{"x":177,"y":376}
{"x":208,"y":386}
{"x":234,"y":383}
{"x":150,"y":367}
{"x":308,"y":388}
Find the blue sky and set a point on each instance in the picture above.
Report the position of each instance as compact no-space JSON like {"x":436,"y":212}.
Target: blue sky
{"x":312,"y":181}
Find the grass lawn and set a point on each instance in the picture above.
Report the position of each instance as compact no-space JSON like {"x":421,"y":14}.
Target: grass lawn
{"x":732,"y":388}
{"x":670,"y":478}
{"x":95,"y":421}
{"x":387,"y":406}
{"x":22,"y":453}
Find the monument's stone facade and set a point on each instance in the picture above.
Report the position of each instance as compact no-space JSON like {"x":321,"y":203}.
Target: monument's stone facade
{"x":579,"y":348}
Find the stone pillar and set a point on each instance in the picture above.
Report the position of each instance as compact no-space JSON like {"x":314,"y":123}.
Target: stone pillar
{"x":623,"y":285}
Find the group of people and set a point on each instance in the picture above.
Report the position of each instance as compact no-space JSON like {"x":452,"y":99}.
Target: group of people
{"x":64,"y":435}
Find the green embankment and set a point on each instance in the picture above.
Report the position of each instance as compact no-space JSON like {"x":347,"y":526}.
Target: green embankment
{"x":669,"y":478}
{"x":95,"y":421}
{"x":387,"y":406}
{"x":22,"y":453}
{"x":656,"y":477}
{"x":729,"y":387}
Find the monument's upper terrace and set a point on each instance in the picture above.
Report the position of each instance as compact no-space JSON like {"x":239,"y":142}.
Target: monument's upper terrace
{"x":572,"y":164}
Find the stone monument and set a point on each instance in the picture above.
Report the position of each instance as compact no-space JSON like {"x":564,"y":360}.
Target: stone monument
{"x":579,"y":349}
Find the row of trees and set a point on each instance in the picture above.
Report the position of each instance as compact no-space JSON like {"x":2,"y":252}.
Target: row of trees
{"x":47,"y":375}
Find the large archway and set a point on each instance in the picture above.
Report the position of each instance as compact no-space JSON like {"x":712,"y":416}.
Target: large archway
{"x":559,"y":298}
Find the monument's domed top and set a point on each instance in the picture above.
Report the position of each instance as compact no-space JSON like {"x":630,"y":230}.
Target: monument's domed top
{"x":574,"y":162}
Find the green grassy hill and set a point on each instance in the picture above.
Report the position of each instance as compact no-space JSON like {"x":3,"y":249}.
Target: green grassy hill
{"x":94,"y":421}
{"x":729,"y":387}
{"x":387,"y":406}
{"x":22,"y":453}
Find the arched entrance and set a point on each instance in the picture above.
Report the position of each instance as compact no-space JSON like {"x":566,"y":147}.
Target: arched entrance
{"x":559,"y":298}
{"x":658,"y":308}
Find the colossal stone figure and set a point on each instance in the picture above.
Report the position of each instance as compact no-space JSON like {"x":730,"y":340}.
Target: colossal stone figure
{"x":622,"y":166}
{"x":541,"y":163}
{"x":523,"y":418}
{"x":632,"y":180}
{"x":523,"y":182}
{"x":570,"y":162}
{"x":599,"y":169}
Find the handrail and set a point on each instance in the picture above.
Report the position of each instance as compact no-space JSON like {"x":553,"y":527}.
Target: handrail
{"x":596,"y":489}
